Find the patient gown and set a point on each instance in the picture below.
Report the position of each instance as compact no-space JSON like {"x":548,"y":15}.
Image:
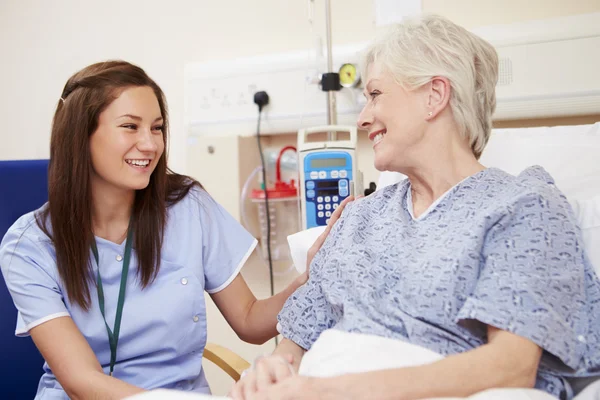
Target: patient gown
{"x":496,"y":249}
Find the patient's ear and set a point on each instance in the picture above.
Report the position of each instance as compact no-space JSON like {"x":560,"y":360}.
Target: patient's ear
{"x":438,"y":96}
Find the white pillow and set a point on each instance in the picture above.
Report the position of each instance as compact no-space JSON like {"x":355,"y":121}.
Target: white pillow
{"x":300,"y":243}
{"x":568,"y":153}
{"x":587,"y":212}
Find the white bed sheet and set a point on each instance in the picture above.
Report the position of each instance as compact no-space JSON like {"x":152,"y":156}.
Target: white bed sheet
{"x":336,"y":353}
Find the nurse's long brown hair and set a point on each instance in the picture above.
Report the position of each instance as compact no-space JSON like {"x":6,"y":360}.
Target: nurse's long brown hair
{"x":67,"y":219}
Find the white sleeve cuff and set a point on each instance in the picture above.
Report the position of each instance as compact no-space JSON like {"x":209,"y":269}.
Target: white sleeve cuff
{"x":237,"y":269}
{"x":24,"y":332}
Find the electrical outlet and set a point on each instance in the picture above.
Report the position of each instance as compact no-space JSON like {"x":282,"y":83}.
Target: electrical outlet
{"x":219,"y":95}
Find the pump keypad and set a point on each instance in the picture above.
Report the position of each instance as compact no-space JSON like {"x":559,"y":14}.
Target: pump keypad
{"x":330,"y":194}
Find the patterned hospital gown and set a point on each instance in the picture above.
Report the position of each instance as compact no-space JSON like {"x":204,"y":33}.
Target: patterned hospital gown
{"x":496,"y":249}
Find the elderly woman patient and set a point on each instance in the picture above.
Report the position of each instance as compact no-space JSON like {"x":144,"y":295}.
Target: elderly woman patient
{"x":482,"y":267}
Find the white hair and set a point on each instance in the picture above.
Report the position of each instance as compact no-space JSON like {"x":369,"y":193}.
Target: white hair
{"x":421,"y":48}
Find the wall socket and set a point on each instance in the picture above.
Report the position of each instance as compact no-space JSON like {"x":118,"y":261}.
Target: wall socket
{"x":219,"y":95}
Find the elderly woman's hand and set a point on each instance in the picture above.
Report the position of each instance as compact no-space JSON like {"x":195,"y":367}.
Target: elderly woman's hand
{"x":321,"y":239}
{"x":304,"y":388}
{"x":265,"y":372}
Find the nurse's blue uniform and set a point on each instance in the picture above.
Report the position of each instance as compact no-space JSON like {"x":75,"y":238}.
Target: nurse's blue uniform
{"x":163,"y":328}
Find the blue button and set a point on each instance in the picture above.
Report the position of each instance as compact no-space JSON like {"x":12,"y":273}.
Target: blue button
{"x":343,"y":183}
{"x":310,"y":184}
{"x":310,"y":194}
{"x":343,"y":192}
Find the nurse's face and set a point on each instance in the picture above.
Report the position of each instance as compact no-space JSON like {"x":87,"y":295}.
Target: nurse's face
{"x":128,"y":142}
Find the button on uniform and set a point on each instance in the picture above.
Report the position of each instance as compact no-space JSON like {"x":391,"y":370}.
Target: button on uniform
{"x":196,"y":318}
{"x":119,"y":258}
{"x":184,"y":281}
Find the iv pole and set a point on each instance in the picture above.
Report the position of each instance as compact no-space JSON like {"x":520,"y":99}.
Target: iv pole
{"x":331,"y":105}
{"x":330,"y":81}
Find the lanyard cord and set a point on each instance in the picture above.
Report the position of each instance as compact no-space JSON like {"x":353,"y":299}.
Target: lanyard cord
{"x":113,"y":335}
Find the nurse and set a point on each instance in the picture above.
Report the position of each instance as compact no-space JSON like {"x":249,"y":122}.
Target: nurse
{"x":108,"y":276}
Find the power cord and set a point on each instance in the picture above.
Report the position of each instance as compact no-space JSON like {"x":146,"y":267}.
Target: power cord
{"x":262,"y":99}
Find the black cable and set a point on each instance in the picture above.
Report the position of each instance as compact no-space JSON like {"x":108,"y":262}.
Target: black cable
{"x":261,"y":99}
{"x":264,"y":175}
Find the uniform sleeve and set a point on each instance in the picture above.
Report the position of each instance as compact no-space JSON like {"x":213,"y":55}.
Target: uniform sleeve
{"x":31,"y":278}
{"x":226,"y":245}
{"x":532,"y":278}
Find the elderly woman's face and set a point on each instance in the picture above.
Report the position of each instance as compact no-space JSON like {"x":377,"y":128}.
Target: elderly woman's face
{"x":393,"y":119}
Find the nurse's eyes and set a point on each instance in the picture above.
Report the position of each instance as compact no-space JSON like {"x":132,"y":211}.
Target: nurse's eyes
{"x":134,"y":127}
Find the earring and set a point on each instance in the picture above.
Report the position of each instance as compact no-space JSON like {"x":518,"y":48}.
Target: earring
{"x":430,"y":113}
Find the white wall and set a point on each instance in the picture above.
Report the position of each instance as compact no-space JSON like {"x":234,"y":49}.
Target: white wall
{"x":474,"y":13}
{"x":43,"y":42}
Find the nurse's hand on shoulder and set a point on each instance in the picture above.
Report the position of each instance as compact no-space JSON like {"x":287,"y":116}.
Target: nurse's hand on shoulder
{"x":321,"y":239}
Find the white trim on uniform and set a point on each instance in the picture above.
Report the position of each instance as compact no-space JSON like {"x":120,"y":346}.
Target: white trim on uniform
{"x":25,"y":331}
{"x":237,"y":270}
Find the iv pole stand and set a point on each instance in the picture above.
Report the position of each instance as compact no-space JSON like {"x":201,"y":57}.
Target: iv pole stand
{"x":330,"y":81}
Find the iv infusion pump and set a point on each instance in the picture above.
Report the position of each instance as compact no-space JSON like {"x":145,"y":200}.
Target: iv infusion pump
{"x":328,"y":173}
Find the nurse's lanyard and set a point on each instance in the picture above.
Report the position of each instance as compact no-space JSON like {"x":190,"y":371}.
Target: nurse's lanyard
{"x":113,"y":336}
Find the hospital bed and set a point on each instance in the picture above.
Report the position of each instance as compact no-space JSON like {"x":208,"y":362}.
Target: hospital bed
{"x":570,"y":154}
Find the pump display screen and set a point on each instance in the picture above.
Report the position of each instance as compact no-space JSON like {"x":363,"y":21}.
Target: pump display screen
{"x":327,"y":162}
{"x":327,"y":185}
{"x":327,"y":188}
